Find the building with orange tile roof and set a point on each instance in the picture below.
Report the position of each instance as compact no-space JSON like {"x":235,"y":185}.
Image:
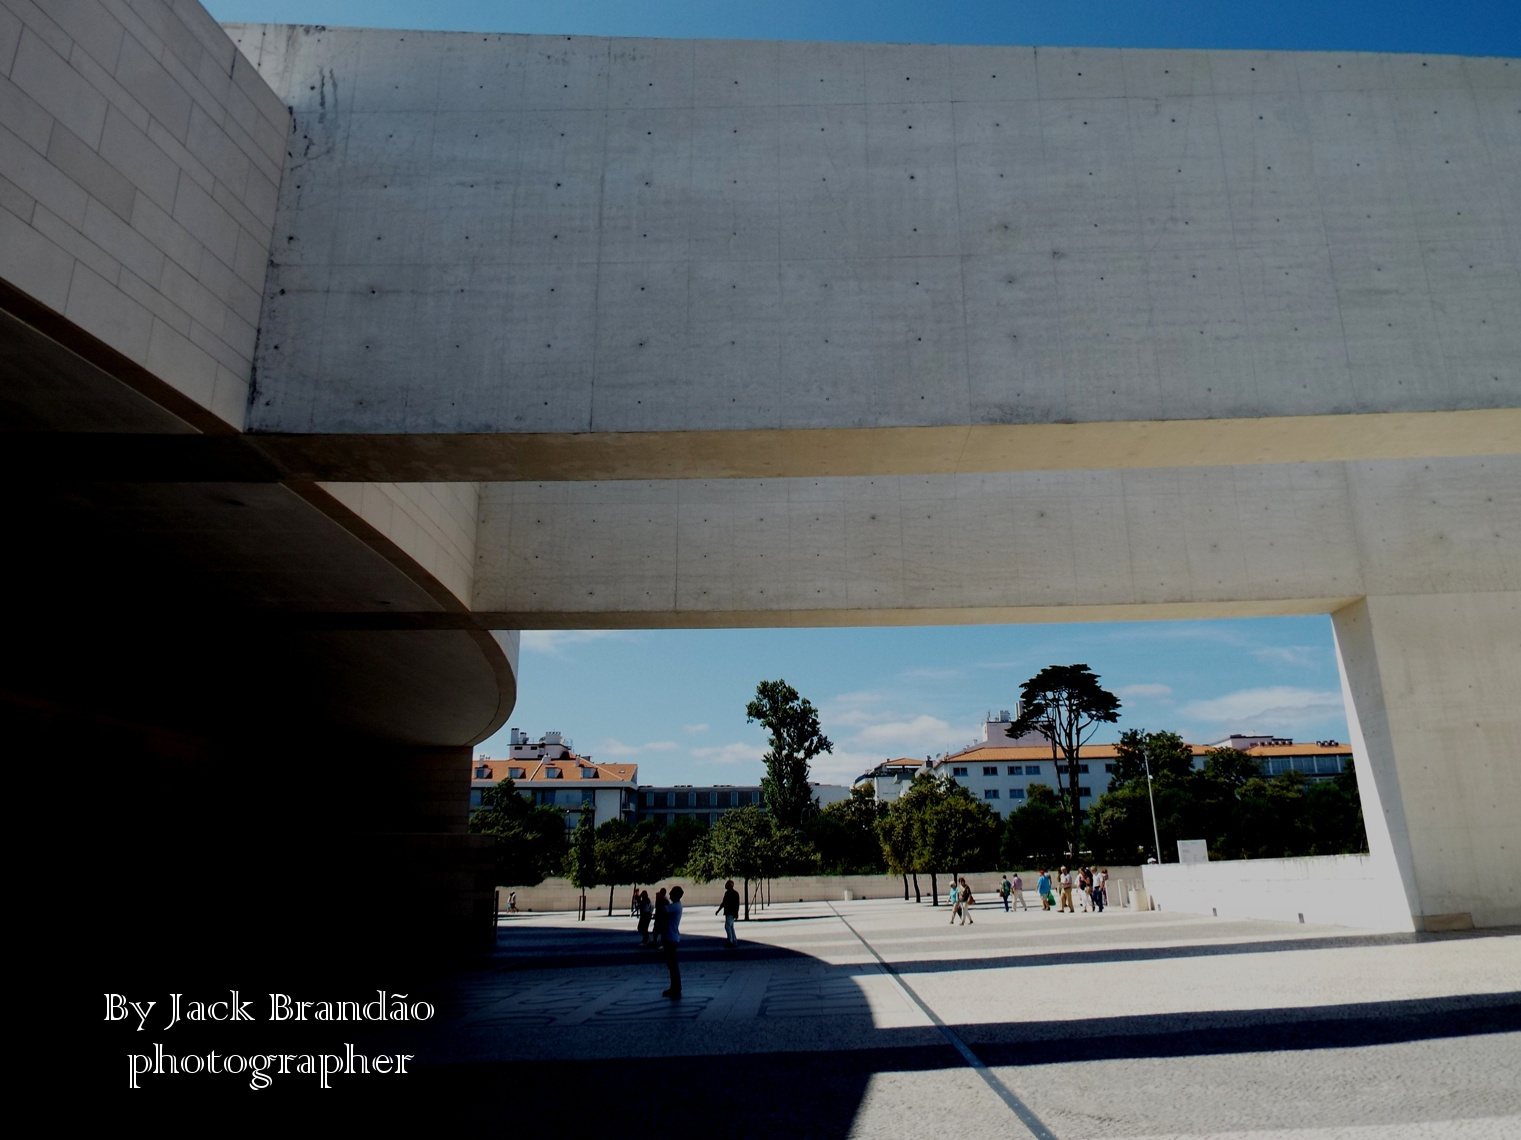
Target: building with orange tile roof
{"x":1000,"y":774}
{"x":551,"y":774}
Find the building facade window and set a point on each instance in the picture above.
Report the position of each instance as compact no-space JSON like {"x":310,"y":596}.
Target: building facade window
{"x":958,"y":772}
{"x":1032,"y":769}
{"x":990,"y":769}
{"x":1015,"y":770}
{"x":990,"y":793}
{"x":1016,"y":793}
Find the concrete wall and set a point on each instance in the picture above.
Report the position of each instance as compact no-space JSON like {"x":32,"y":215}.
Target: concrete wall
{"x":140,"y":156}
{"x":567,"y":235}
{"x":559,"y":894}
{"x":1062,"y":546}
{"x":1345,"y":890}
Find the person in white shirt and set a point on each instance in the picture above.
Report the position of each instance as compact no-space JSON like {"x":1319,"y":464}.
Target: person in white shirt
{"x":672,"y":941}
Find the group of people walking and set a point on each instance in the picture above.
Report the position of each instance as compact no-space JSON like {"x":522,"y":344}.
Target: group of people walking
{"x":1089,"y":887}
{"x":1090,"y":884}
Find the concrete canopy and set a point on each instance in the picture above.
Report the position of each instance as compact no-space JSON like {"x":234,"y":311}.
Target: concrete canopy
{"x":531,"y":331}
{"x":770,"y":333}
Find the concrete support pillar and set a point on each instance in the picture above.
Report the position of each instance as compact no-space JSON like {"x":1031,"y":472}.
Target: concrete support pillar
{"x":1433,"y":690}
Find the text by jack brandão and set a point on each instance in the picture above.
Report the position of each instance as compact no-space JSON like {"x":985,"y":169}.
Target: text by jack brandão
{"x":262,"y":1068}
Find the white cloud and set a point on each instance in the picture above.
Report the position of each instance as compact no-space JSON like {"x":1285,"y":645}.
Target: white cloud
{"x":1138,"y":692}
{"x":1295,"y":656}
{"x":694,"y":728}
{"x":852,"y":710}
{"x":842,"y":765}
{"x":618,"y":748}
{"x":554,"y":642}
{"x":1276,"y":708}
{"x":738,"y":752}
{"x":903,"y":733}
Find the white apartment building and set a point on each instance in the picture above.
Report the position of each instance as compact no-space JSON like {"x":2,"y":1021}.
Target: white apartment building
{"x":549,"y":772}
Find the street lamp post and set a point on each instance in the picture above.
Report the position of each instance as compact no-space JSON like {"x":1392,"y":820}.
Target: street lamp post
{"x":1156,"y":839}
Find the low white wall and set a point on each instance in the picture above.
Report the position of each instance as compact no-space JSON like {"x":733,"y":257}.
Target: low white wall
{"x":558,"y":894}
{"x":1344,"y":890}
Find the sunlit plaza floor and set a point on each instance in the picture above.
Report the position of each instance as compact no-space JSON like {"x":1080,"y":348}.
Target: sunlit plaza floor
{"x":881,"y":1019}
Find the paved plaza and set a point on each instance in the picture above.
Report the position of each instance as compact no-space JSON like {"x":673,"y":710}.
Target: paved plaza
{"x":879,"y":1019}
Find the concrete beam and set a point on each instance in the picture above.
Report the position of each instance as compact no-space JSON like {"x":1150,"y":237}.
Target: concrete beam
{"x":562,"y":237}
{"x":1011,"y":546}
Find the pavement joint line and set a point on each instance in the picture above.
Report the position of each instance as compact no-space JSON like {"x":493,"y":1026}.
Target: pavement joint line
{"x":1018,"y":1107}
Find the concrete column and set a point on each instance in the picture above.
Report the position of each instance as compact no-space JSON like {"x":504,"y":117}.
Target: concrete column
{"x":1433,"y":690}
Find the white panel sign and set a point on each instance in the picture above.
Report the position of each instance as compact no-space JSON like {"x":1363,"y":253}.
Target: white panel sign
{"x":1193,"y":851}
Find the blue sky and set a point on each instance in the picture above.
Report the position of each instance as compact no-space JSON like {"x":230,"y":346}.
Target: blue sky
{"x":1463,"y":27}
{"x":673,"y":701}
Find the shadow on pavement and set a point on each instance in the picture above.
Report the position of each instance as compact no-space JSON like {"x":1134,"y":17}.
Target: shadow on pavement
{"x":749,"y":1077}
{"x":1153,"y":953}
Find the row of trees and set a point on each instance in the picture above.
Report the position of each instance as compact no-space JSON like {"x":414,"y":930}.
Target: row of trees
{"x":1241,"y":813}
{"x":936,"y":827}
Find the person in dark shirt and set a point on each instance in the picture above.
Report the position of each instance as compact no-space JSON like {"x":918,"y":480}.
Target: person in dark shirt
{"x":646,"y":913}
{"x":730,"y":910}
{"x":661,"y":907}
{"x":672,"y":941}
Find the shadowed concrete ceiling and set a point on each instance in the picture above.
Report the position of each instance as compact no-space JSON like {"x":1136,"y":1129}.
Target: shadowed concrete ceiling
{"x":153,"y":565}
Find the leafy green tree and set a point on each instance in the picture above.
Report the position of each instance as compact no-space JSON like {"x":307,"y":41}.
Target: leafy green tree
{"x":1334,"y":816}
{"x":1268,"y":818}
{"x":1035,"y":833}
{"x":1066,"y":704}
{"x":845,"y":834}
{"x":1165,"y":753}
{"x":744,"y":844}
{"x":1230,"y":767}
{"x":675,"y":844}
{"x":530,"y":841}
{"x":792,"y":725}
{"x":625,"y":856}
{"x":895,"y":835}
{"x":583,"y":857}
{"x":960,"y":833}
{"x":907,"y":826}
